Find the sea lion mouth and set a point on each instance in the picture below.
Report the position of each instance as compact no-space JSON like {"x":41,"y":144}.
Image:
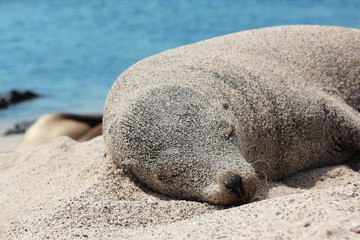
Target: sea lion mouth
{"x":235,"y":184}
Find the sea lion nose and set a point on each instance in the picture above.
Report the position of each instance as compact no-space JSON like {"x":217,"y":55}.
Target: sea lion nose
{"x":235,"y":185}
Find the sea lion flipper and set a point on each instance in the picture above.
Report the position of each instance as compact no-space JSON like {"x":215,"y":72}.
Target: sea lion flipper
{"x":346,"y":120}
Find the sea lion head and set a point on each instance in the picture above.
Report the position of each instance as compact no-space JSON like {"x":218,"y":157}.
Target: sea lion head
{"x":176,"y":142}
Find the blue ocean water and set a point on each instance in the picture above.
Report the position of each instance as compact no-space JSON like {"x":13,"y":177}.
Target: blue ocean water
{"x":71,"y":51}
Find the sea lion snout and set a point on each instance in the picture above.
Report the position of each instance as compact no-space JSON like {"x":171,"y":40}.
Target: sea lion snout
{"x":234,"y":184}
{"x":235,"y":188}
{"x":232,"y":188}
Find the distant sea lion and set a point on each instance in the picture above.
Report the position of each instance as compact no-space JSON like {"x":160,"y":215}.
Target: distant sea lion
{"x":50,"y":126}
{"x":204,"y":121}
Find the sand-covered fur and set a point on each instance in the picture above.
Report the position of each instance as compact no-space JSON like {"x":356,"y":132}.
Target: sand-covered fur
{"x":203,"y":121}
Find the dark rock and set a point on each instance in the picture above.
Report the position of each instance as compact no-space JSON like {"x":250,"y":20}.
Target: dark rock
{"x":19,"y":128}
{"x":16,"y":96}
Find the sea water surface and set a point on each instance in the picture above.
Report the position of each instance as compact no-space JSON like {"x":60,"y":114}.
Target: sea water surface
{"x":71,"y":51}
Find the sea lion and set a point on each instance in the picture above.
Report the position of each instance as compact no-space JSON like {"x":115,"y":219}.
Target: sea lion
{"x":205,"y":121}
{"x":50,"y":126}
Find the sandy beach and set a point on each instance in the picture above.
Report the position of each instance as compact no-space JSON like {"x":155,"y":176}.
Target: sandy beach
{"x":10,"y":143}
{"x":70,"y":190}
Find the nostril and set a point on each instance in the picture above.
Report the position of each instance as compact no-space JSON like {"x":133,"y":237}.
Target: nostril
{"x":235,"y":185}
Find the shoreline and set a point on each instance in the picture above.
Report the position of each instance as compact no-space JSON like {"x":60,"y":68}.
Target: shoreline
{"x":7,"y":123}
{"x":10,"y":143}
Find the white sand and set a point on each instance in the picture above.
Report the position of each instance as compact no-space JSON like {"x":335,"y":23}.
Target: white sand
{"x":10,"y":143}
{"x":68,"y":190}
